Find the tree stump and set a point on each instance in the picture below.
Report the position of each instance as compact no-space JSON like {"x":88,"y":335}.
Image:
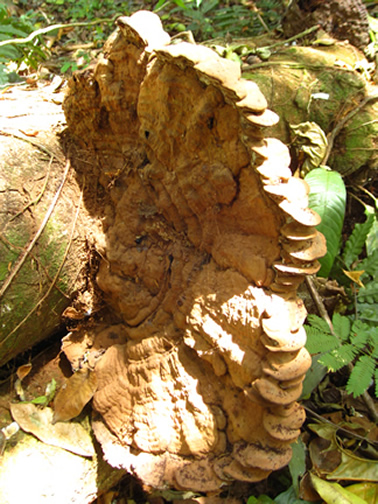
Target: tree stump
{"x":200,"y":358}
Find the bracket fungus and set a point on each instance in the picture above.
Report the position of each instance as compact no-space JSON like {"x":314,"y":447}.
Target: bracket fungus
{"x":206,"y":239}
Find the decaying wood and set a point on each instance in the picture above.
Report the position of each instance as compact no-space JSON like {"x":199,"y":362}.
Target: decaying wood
{"x":42,"y":245}
{"x":206,"y":239}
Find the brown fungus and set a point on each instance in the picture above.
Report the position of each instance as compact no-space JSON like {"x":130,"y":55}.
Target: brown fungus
{"x":204,"y":244}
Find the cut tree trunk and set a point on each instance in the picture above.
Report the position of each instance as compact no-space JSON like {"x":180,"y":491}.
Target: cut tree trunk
{"x":45,"y":236}
{"x":200,"y":359}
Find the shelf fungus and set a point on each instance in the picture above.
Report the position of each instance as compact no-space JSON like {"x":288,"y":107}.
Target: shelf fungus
{"x":205,"y":237}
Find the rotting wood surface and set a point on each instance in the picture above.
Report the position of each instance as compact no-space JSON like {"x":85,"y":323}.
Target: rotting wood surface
{"x":206,"y":238}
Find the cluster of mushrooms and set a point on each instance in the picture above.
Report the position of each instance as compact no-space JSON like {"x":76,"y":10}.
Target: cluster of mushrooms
{"x":205,"y":238}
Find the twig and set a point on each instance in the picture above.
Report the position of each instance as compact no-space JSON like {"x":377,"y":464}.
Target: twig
{"x":319,"y":303}
{"x":23,"y":257}
{"x":59,"y":26}
{"x":324,"y":314}
{"x":53,"y":282}
{"x":341,"y":429}
{"x":366,"y":191}
{"x":34,"y":202}
{"x":339,"y":126}
{"x":295,"y":37}
{"x":289,"y":64}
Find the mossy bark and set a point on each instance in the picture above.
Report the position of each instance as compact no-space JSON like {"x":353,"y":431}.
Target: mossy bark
{"x":323,"y":84}
{"x":33,"y":296}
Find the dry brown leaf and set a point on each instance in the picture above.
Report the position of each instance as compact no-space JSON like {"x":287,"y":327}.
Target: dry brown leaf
{"x":23,"y":371}
{"x":72,"y":437}
{"x":74,"y":395}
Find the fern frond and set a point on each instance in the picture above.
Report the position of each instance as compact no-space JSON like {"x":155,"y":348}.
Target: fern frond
{"x":318,"y":323}
{"x":368,"y":312}
{"x":373,"y":342}
{"x":376,"y":381}
{"x":339,"y":357}
{"x":360,"y":334}
{"x":370,"y":264}
{"x":360,"y":340}
{"x":318,"y":341}
{"x":356,"y":241}
{"x":370,"y":293}
{"x":341,"y":326}
{"x":361,"y":376}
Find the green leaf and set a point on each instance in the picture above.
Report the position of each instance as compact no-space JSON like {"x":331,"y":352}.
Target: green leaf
{"x":368,"y":312}
{"x":289,"y":497}
{"x":297,"y":464}
{"x":318,"y":323}
{"x":328,"y":198}
{"x":370,"y":293}
{"x":341,"y":326}
{"x":367,"y":491}
{"x":313,"y":377}
{"x":356,"y":241}
{"x":362,"y":335}
{"x":338,"y":358}
{"x":373,"y":341}
{"x":261,"y":499}
{"x":361,"y":375}
{"x":318,"y":341}
{"x":376,"y":382}
{"x":372,"y":237}
{"x":370,"y":264}
{"x":333,"y":493}
{"x":354,"y":468}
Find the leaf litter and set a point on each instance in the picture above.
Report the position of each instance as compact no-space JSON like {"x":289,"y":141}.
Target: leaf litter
{"x":39,"y":422}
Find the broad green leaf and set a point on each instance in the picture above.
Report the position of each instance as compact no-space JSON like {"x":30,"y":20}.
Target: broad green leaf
{"x":333,"y":493}
{"x":341,"y":326}
{"x":289,"y":497}
{"x":297,"y":464}
{"x":367,"y":491}
{"x":353,"y":468}
{"x":356,"y":241}
{"x":328,"y":198}
{"x":372,"y":239}
{"x":361,"y":375}
{"x":313,"y":377}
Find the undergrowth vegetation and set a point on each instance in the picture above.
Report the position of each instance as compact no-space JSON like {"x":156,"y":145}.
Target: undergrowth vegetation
{"x":351,"y":339}
{"x":214,"y":18}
